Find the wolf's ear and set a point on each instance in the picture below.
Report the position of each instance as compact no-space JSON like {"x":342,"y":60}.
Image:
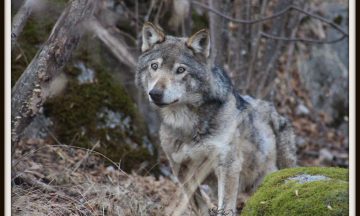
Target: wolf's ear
{"x":200,"y":42}
{"x":151,"y":35}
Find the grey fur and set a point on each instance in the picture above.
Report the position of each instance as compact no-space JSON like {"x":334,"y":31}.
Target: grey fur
{"x":206,"y":120}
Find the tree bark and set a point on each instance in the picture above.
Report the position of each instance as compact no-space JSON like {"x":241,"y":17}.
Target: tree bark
{"x":19,"y":20}
{"x":31,"y":90}
{"x":218,"y":27}
{"x":273,"y":50}
{"x":241,"y":47}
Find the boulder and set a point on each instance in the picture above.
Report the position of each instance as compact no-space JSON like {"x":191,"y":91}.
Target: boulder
{"x":301,"y":191}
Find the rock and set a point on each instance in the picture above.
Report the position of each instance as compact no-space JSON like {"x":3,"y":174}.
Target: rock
{"x":325,"y":76}
{"x":87,"y":75}
{"x":38,"y":128}
{"x":300,"y":142}
{"x":325,"y":71}
{"x":301,"y":109}
{"x":305,"y":178}
{"x":110,"y":169}
{"x":301,"y":191}
{"x":325,"y":155}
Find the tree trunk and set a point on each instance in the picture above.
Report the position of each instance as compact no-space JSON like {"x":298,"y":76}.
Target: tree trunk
{"x":273,"y":50}
{"x":31,"y":90}
{"x":241,"y":43}
{"x":218,"y":29}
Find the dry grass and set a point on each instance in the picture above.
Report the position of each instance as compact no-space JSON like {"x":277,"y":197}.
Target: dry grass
{"x":63,"y":180}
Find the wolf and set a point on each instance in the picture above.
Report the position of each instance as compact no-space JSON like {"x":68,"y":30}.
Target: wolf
{"x":209,"y":132}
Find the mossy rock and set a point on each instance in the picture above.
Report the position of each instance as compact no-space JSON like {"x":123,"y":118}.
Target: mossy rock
{"x":78,"y":113}
{"x":309,"y":191}
{"x":100,"y":111}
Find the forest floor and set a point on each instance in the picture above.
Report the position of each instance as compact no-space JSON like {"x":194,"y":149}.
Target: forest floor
{"x":51,"y":179}
{"x":63,"y":180}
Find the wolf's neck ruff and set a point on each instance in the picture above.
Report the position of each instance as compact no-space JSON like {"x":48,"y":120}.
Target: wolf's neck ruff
{"x":197,"y":122}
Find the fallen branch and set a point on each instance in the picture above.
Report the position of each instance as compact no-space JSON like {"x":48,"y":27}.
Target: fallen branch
{"x":117,"y":47}
{"x":34,"y":182}
{"x":32,"y":88}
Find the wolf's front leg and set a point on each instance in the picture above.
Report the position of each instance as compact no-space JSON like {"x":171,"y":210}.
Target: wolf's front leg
{"x":228,"y":184}
{"x":190,"y":177}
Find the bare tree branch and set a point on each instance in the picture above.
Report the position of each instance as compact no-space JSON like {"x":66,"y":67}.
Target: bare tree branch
{"x":117,"y":47}
{"x":19,"y":20}
{"x":278,"y":14}
{"x":32,"y":88}
{"x":305,"y":40}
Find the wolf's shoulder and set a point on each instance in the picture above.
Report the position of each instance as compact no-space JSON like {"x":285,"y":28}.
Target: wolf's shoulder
{"x":255,"y":108}
{"x":258,"y":103}
{"x":220,"y":73}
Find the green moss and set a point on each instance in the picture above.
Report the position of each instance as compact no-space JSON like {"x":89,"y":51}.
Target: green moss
{"x":277,"y":195}
{"x":76,"y":119}
{"x":76,"y":112}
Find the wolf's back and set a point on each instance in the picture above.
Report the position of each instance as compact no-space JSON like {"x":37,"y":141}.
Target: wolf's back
{"x":285,"y":138}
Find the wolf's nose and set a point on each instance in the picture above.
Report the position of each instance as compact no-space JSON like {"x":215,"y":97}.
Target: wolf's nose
{"x":156,"y":95}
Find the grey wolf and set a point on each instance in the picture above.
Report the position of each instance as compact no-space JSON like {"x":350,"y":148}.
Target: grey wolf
{"x":209,"y":132}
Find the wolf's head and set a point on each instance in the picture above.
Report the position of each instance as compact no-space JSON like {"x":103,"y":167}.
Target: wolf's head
{"x":174,"y":70}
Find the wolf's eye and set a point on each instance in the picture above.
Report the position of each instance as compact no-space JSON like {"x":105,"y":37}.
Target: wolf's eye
{"x":154,"y":66}
{"x":180,"y":70}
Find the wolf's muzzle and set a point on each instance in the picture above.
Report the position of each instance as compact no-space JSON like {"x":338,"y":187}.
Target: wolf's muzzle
{"x":156,"y":95}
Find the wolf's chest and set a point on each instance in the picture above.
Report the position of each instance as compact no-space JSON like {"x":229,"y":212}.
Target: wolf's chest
{"x":190,"y":152}
{"x":201,"y":147}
